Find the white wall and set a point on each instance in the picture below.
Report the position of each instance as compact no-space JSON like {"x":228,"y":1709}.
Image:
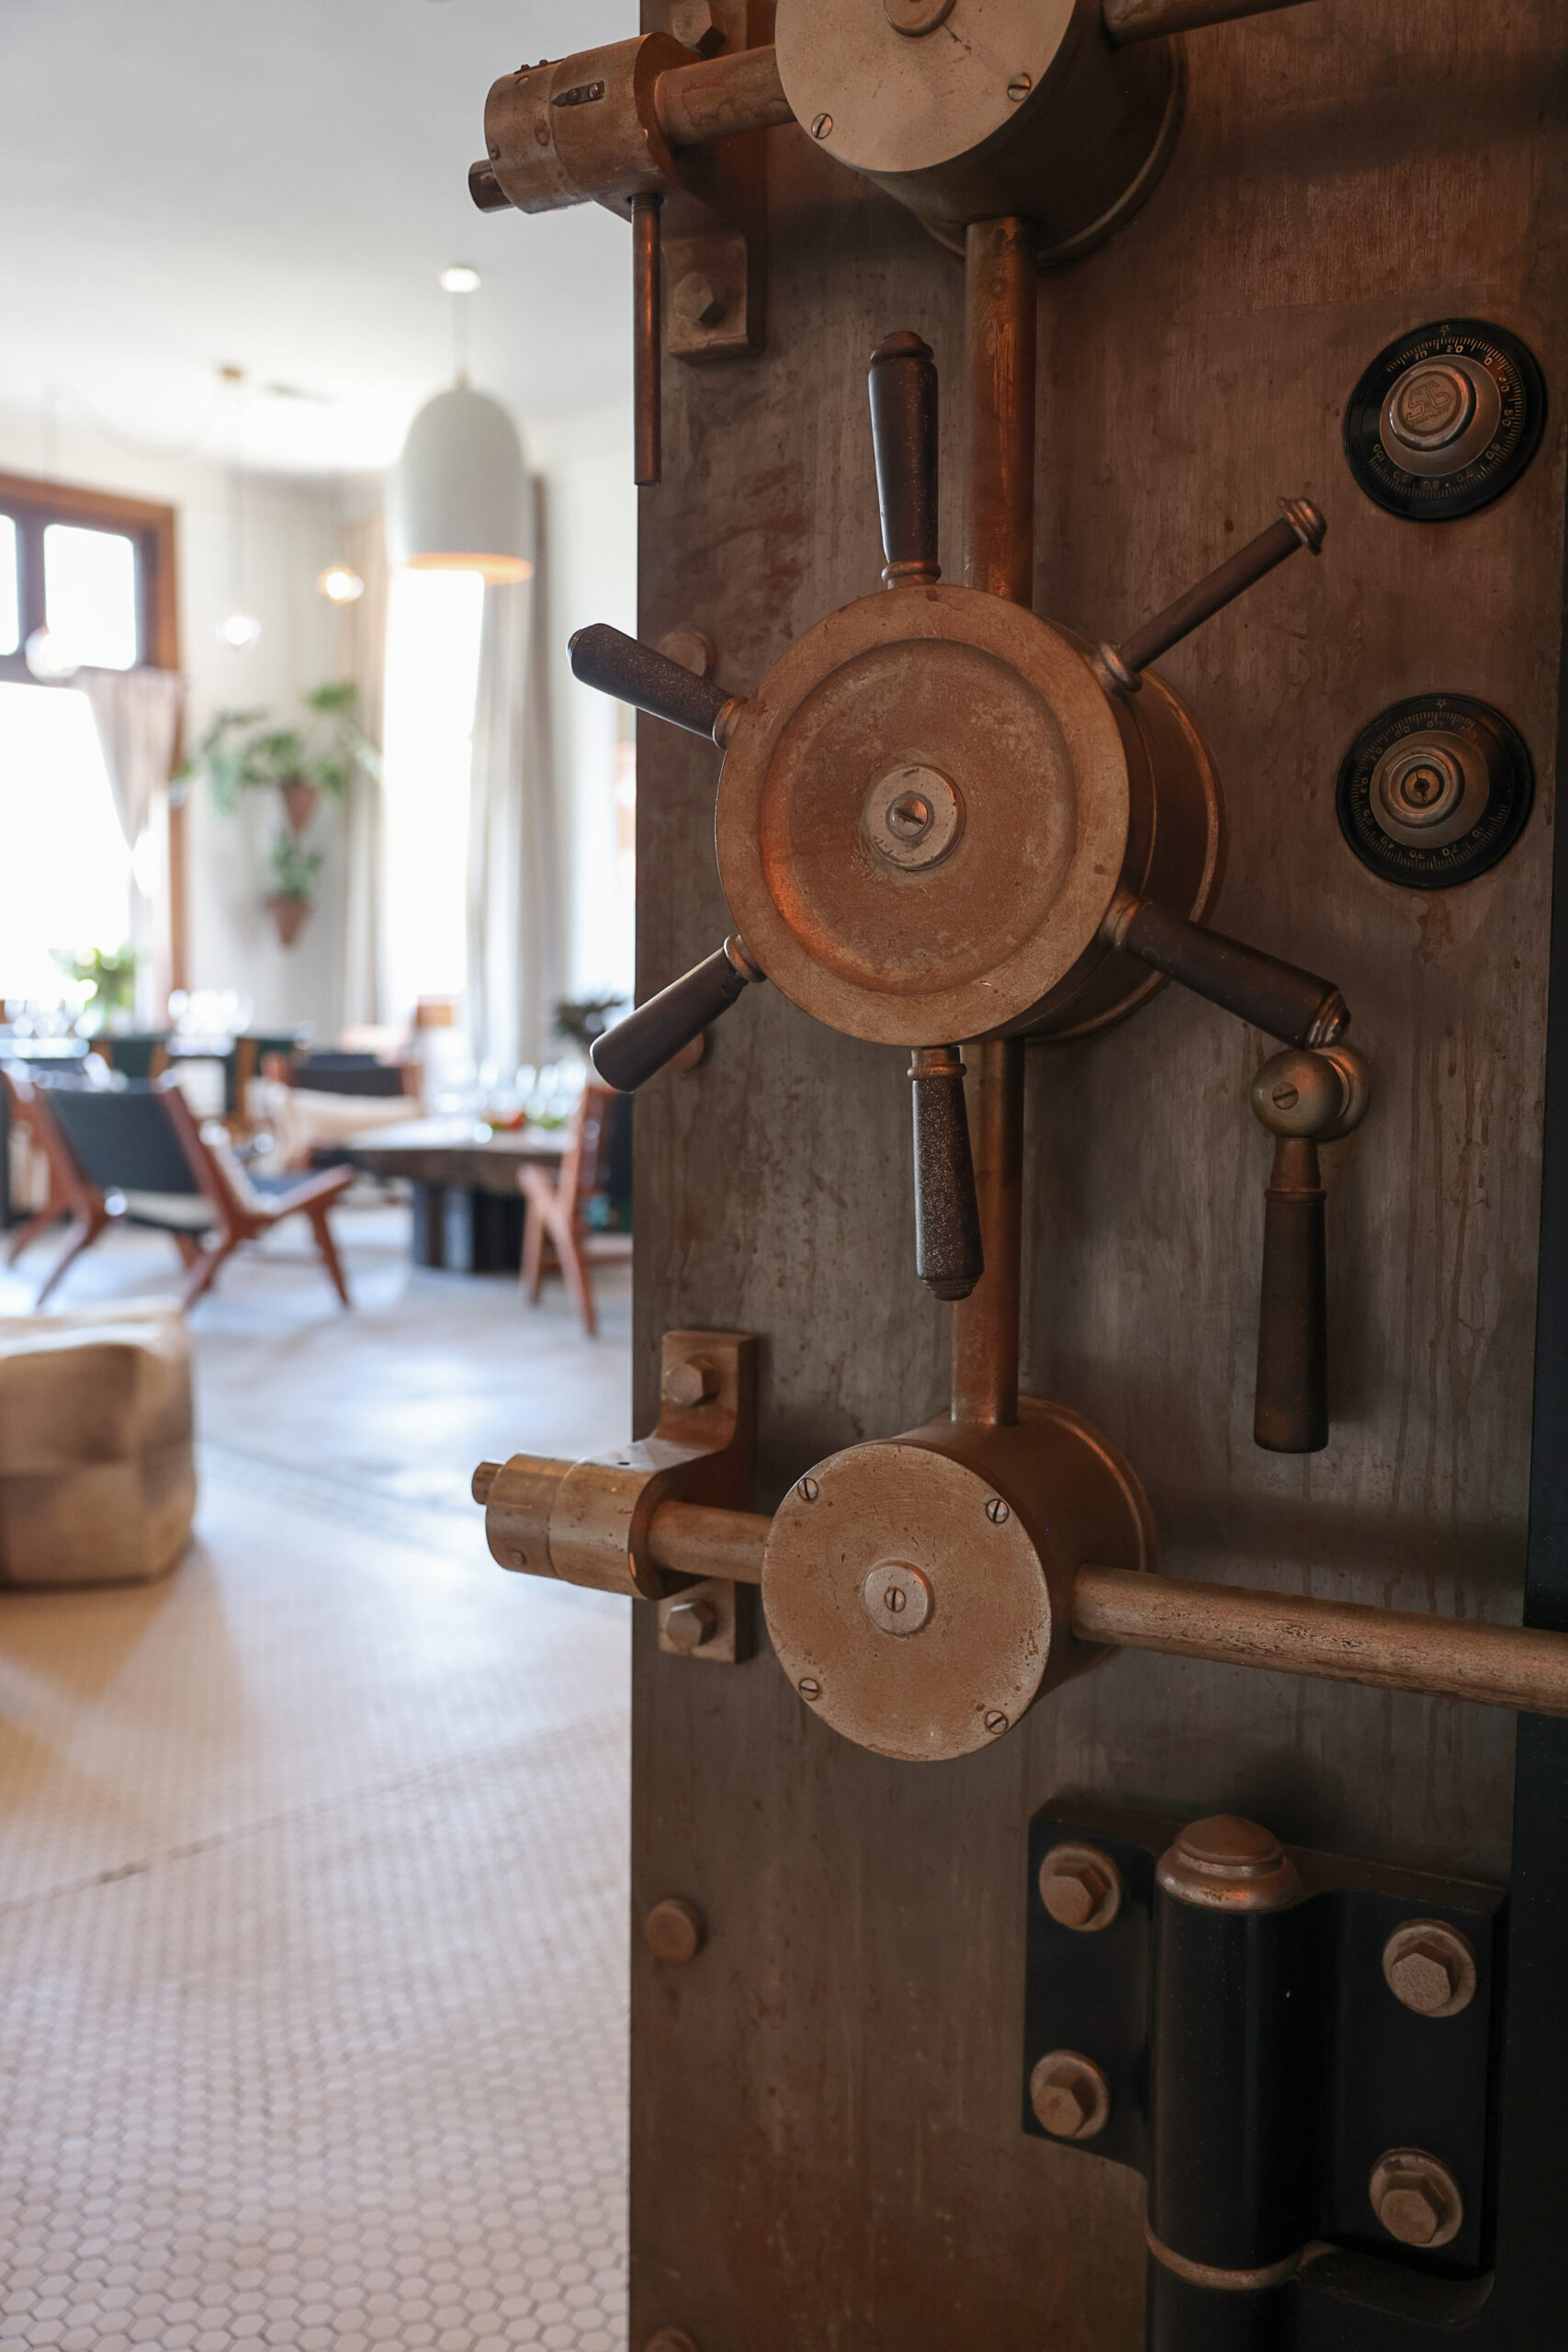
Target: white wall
{"x":591,"y":576}
{"x":289,"y":535}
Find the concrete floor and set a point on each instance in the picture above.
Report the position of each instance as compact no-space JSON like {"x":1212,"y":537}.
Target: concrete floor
{"x":313,"y":1867}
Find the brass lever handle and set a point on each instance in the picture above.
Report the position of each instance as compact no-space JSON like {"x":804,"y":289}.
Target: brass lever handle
{"x":1300,"y":526}
{"x":1277,"y":998}
{"x":616,"y":664}
{"x":1302,"y":1099}
{"x":904,"y":441}
{"x":637,"y":1048}
{"x":948,"y":1256}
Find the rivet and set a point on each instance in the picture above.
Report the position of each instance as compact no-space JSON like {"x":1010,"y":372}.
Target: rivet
{"x":809,"y":1490}
{"x":995,"y":1721}
{"x":997,"y":1512}
{"x":675,"y":1931}
{"x":808,"y":1688}
{"x":822,"y":125}
{"x":1019,"y":87}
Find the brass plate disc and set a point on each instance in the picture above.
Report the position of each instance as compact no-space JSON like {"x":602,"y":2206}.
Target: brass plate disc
{"x":1008,"y":708}
{"x":974,"y":1665}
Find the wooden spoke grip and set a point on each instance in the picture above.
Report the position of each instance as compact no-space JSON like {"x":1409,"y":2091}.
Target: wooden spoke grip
{"x":1276,"y":998}
{"x":619,"y":665}
{"x":904,"y":439}
{"x":948,"y":1257}
{"x":1303,"y":1099}
{"x":628,"y":1056}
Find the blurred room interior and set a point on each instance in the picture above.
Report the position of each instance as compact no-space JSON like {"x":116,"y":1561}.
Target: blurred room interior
{"x":316,"y":880}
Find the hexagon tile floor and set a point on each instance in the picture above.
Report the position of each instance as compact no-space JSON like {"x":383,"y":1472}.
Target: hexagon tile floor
{"x":312,"y":1905}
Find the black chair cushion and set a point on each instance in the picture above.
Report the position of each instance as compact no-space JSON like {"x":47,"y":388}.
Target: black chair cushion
{"x":123,"y":1139}
{"x":346,"y":1074}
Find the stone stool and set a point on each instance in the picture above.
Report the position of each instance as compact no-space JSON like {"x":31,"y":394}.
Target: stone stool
{"x":98,"y":1476}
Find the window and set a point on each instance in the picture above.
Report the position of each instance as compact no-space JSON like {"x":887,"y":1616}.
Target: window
{"x":64,"y":869}
{"x":95,"y":571}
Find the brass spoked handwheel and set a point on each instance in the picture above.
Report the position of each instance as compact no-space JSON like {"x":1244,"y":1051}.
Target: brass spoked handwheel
{"x":941,"y":817}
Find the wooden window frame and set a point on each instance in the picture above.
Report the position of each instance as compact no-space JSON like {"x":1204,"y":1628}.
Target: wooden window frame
{"x":34,"y":505}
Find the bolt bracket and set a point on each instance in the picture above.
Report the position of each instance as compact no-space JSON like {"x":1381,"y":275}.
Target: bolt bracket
{"x":1360,"y":2074}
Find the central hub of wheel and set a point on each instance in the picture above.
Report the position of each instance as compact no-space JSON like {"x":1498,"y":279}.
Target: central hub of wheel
{"x":928,"y":806}
{"x":919,"y":1591}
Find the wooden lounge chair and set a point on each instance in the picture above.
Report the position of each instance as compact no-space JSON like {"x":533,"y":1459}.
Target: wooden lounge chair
{"x":137,"y":1154}
{"x":555,"y":1229}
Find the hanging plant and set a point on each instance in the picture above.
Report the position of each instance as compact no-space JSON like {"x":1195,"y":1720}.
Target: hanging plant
{"x":291,"y":872}
{"x":239,"y":754}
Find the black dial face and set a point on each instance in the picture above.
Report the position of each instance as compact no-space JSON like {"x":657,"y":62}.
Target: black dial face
{"x":1435,"y":790}
{"x":1445,"y":419}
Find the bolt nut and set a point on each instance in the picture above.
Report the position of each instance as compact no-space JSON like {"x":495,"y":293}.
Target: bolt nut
{"x":675,"y":1931}
{"x":1430,"y":1967}
{"x":1080,"y":1887}
{"x":695,"y":299}
{"x":693,"y":23}
{"x":1070,"y":2097}
{"x":1417,"y":2198}
{"x":688,"y":1384}
{"x":688,"y":1624}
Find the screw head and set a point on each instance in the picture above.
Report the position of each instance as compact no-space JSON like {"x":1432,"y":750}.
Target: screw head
{"x":808,"y":1490}
{"x":1070,"y":2095}
{"x":917,"y":17}
{"x":675,"y":1931}
{"x":1430,"y":1967}
{"x":1019,"y":87}
{"x":1080,"y":1887}
{"x":1417,"y":2198}
{"x":688,"y":1624}
{"x":997,"y":1512}
{"x":995,"y":1721}
{"x":897,"y":1597}
{"x":808,"y":1687}
{"x":822,"y":125}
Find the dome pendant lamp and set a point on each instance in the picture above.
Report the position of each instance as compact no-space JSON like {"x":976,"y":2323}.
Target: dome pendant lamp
{"x":457,"y":500}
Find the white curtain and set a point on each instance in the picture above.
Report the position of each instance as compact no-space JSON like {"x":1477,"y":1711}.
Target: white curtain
{"x":137,"y":713}
{"x":514,"y":880}
{"x":362,"y":656}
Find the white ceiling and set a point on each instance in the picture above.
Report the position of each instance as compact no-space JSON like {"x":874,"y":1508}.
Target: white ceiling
{"x":275,"y":184}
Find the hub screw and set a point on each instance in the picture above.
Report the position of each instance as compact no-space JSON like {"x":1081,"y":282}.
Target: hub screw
{"x":809,"y":1688}
{"x":809,"y":1490}
{"x":997,"y":1512}
{"x":822,"y":125}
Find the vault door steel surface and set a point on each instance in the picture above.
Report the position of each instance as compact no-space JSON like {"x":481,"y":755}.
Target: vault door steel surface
{"x":826,"y":2144}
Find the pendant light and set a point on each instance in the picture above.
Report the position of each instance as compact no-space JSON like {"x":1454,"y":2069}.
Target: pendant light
{"x":238,"y":628}
{"x":457,"y":500}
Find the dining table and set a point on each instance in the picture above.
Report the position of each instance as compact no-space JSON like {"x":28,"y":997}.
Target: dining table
{"x":462,"y":1175}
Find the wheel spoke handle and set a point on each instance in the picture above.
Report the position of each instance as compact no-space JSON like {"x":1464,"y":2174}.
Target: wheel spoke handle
{"x":948,"y":1257}
{"x":1277,"y":998}
{"x":619,"y":665}
{"x":1300,"y":526}
{"x":637,"y":1048}
{"x":904,"y":441}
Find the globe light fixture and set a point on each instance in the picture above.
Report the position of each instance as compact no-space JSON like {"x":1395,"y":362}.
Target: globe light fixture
{"x":340,"y":585}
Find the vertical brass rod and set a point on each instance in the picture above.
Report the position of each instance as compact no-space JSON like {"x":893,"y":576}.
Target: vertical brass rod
{"x":648,"y":342}
{"x":1000,"y":296}
{"x":1001,"y":290}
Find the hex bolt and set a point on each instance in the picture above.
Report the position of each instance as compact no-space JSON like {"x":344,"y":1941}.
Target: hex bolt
{"x":692,"y":22}
{"x":675,"y":1931}
{"x":690,"y":1384}
{"x":695,"y":299}
{"x":808,"y":1490}
{"x":1415,"y":2198}
{"x":1070,"y":2097}
{"x":1080,"y":1887}
{"x":997,"y":1512}
{"x":1430,"y":1967}
{"x":689,"y":1625}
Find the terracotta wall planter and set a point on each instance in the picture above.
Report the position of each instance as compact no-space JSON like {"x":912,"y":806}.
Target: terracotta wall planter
{"x":300,"y":803}
{"x":289,"y":915}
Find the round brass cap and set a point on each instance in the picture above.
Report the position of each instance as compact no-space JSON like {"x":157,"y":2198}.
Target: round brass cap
{"x":1231,"y":1864}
